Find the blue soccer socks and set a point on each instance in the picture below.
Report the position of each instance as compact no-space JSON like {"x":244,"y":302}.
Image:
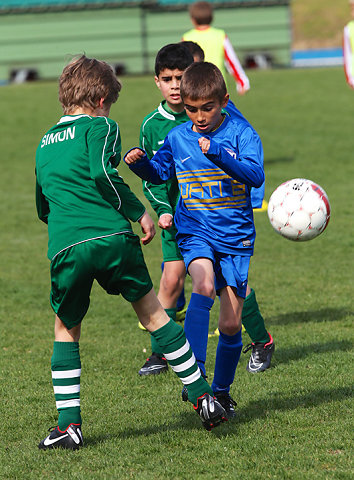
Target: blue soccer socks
{"x":196,"y":326}
{"x":66,"y":371}
{"x":227,"y":356}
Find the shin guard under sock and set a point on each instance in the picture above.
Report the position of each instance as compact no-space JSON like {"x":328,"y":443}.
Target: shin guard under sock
{"x":196,"y":326}
{"x":253,"y":321}
{"x":179,"y":355}
{"x":227,"y":356}
{"x":66,"y":372}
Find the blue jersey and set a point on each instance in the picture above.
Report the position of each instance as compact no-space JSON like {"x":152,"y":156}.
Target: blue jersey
{"x":257,"y":194}
{"x":215,"y":201}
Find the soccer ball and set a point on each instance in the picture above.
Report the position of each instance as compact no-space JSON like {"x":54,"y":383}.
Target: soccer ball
{"x":299,"y":209}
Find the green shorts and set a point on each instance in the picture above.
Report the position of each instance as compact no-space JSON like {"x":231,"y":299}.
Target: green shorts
{"x":170,"y":250}
{"x":116,"y":262}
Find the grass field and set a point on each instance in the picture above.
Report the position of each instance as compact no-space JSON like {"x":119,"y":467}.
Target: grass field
{"x":295,"y":420}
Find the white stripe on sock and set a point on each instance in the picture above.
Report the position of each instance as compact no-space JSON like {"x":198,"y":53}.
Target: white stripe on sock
{"x":66,"y":389}
{"x":184,"y":366}
{"x":75,"y":402}
{"x":66,"y":373}
{"x":191,"y":378}
{"x":178,"y":353}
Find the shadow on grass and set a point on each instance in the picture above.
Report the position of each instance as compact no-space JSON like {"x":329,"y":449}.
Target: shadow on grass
{"x":286,"y":355}
{"x":314,"y":316}
{"x":261,"y":408}
{"x":272,"y":161}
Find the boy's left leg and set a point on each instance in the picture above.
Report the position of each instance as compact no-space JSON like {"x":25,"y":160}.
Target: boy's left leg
{"x":172,"y":341}
{"x":171,"y":284}
{"x":229,"y":347}
{"x":66,"y":371}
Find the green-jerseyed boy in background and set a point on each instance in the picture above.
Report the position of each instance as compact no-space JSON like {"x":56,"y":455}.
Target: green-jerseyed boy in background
{"x":88,"y":209}
{"x":170,"y":63}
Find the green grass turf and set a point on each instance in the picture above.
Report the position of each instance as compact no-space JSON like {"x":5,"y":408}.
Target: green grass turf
{"x":294,"y":420}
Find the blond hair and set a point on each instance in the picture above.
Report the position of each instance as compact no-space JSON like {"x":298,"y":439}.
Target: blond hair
{"x":85,"y":81}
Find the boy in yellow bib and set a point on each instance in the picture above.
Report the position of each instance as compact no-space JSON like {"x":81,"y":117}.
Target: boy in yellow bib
{"x":216,"y":45}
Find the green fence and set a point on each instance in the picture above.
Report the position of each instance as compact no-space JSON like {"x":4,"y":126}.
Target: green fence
{"x":130,"y":36}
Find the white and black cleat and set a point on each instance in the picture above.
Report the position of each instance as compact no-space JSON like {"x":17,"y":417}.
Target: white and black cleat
{"x":261,"y":355}
{"x":210,"y":411}
{"x":71,"y":438}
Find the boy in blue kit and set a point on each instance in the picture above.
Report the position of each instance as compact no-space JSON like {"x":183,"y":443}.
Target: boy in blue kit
{"x":88,"y":208}
{"x":217,"y":161}
{"x":171,"y":61}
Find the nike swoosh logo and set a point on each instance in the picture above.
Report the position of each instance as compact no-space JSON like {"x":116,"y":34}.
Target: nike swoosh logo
{"x":49,"y":441}
{"x":182,"y":161}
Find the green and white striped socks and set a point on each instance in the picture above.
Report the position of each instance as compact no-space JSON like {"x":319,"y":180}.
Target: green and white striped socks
{"x":66,"y":371}
{"x":179,"y":355}
{"x":155,"y":347}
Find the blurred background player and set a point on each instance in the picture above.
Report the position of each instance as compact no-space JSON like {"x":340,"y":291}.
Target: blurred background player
{"x":215,"y":44}
{"x":88,"y":209}
{"x":170,"y":63}
{"x":348,"y":48}
{"x":195,"y":49}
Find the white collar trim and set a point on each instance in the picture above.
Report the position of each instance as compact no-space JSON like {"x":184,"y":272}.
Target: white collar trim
{"x":70,"y":118}
{"x":165,"y":114}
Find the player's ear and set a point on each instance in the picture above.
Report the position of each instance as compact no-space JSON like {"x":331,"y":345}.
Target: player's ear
{"x":157,"y":81}
{"x":225,"y":100}
{"x":101,"y":102}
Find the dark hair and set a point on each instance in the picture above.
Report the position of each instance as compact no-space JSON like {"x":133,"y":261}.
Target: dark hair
{"x":203,"y":80}
{"x":173,"y":56}
{"x":195,"y":50}
{"x":85,"y":81}
{"x":201,"y":13}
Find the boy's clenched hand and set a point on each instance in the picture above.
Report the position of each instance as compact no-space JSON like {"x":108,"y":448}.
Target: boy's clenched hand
{"x":133,"y":156}
{"x":204,"y":144}
{"x":165,"y":221}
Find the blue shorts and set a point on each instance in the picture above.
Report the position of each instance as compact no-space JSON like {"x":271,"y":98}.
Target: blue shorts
{"x":230,"y":270}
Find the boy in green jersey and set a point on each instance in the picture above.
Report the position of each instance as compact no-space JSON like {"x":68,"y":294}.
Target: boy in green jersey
{"x":171,"y":61}
{"x":88,"y":209}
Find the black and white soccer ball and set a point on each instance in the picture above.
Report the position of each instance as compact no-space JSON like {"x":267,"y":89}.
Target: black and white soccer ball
{"x":299,"y":209}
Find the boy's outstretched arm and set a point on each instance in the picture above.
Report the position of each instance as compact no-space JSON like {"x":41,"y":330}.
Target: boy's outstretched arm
{"x":157,"y":170}
{"x":246,"y":166}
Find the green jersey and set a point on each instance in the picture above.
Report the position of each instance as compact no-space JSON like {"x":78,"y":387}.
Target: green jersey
{"x":78,"y":192}
{"x":163,"y":198}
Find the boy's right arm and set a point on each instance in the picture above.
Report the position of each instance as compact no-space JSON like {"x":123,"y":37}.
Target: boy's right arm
{"x":41,"y":204}
{"x":157,"y":170}
{"x":234,"y":67}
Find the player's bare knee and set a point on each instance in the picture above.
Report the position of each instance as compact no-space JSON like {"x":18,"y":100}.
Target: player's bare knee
{"x":205,"y":288}
{"x":171,"y":284}
{"x":230,"y":326}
